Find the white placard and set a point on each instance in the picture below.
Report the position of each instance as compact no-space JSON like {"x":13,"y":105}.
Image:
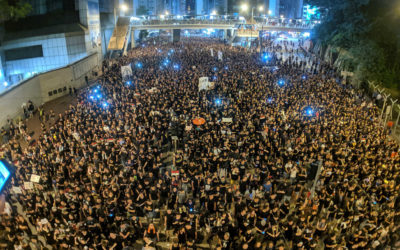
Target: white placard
{"x":44,"y":221}
{"x":16,"y":190}
{"x":227,"y":119}
{"x":203,"y":83}
{"x":212,"y":52}
{"x":219,"y":55}
{"x":126,"y":72}
{"x":35,"y":178}
{"x":28,"y":185}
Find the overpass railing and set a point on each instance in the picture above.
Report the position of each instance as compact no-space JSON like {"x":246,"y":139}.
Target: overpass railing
{"x":183,"y":22}
{"x":275,"y":23}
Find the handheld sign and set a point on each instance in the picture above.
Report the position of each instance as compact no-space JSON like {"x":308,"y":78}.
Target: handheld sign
{"x":6,"y":172}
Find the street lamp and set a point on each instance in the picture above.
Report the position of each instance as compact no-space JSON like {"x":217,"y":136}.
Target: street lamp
{"x":245,"y":7}
{"x":214,"y":12}
{"x":124,"y":7}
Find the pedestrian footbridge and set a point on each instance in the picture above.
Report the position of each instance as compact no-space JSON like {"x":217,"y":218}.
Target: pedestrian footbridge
{"x":126,"y":27}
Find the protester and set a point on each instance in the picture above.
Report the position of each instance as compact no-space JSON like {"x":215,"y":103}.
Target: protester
{"x":110,"y":176}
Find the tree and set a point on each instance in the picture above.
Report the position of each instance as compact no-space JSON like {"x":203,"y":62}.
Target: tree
{"x":367,"y":30}
{"x":13,"y":9}
{"x":141,"y":10}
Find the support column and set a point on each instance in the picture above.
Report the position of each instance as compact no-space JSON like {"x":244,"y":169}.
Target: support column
{"x":133,"y":43}
{"x":229,"y":33}
{"x":226,"y":34}
{"x":176,"y":35}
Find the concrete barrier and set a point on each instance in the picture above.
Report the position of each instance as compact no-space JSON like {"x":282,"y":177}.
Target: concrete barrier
{"x":45,"y":87}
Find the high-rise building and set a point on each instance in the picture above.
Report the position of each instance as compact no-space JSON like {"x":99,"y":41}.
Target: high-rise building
{"x":190,"y":8}
{"x":273,"y":8}
{"x":200,"y":7}
{"x":54,"y":34}
{"x":291,"y":8}
{"x":219,"y":6}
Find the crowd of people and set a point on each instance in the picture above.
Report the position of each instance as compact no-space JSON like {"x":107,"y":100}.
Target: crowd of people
{"x":288,"y":158}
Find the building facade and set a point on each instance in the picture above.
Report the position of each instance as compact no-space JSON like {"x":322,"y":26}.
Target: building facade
{"x":273,"y":8}
{"x":292,"y":9}
{"x":56,"y":33}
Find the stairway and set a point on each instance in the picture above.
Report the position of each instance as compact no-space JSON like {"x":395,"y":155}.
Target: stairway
{"x":119,"y":38}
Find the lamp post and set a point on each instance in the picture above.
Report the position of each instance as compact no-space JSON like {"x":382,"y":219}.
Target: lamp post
{"x":245,"y":7}
{"x":123,"y":8}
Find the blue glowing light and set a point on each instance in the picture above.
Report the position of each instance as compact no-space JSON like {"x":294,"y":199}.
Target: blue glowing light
{"x":310,"y":12}
{"x":171,"y":51}
{"x":98,"y":96}
{"x":91,"y":97}
{"x":218,"y":101}
{"x":266,"y":57}
{"x":128,"y":83}
{"x":309,"y":111}
{"x":96,"y":90}
{"x":304,"y":77}
{"x":226,"y":67}
{"x":215,"y":68}
{"x":281,"y":82}
{"x":306,"y":34}
{"x":269,"y":100}
{"x":166,"y":62}
{"x":5,"y":174}
{"x":159,"y":50}
{"x":139,"y":65}
{"x":105,"y":105}
{"x":214,"y":77}
{"x":176,"y":66}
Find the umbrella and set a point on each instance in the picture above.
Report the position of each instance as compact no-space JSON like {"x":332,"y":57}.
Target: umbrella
{"x":199,"y":121}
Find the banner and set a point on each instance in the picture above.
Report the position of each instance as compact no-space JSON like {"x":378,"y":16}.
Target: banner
{"x":212,"y":52}
{"x":93,"y":20}
{"x":126,"y":72}
{"x":28,"y":185}
{"x":203,"y":83}
{"x":219,"y":55}
{"x":35,"y":178}
{"x":227,"y":119}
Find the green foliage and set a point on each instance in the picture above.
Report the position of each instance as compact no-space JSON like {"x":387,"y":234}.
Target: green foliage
{"x":368,"y":31}
{"x":13,"y":10}
{"x":141,"y":10}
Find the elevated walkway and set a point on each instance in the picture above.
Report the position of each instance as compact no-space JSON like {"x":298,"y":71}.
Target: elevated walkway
{"x":119,"y":36}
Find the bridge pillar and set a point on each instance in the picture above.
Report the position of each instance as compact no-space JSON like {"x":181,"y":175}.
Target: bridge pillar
{"x":176,"y":35}
{"x":226,"y":34}
{"x":133,"y":42}
{"x":229,"y":33}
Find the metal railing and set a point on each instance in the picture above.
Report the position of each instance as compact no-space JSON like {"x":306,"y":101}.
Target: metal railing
{"x":183,"y":22}
{"x":267,"y":22}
